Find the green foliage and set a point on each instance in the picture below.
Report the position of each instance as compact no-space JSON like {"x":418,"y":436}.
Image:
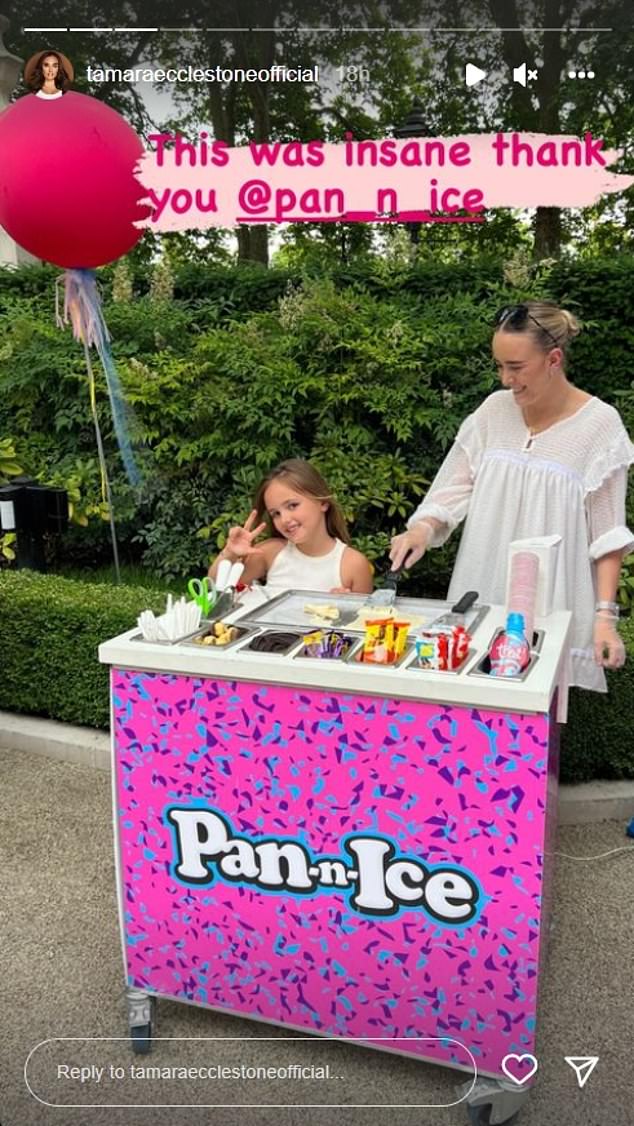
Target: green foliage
{"x":597,"y":740}
{"x":7,"y":546}
{"x":172,"y":541}
{"x":8,"y":461}
{"x":131,"y":575}
{"x":122,"y":282}
{"x":8,"y":468}
{"x":79,"y":479}
{"x":50,"y":629}
{"x":626,"y":583}
{"x":368,"y":371}
{"x":600,"y":291}
{"x":162,"y":284}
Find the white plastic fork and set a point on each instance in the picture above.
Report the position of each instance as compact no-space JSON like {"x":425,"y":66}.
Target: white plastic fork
{"x":222,"y":574}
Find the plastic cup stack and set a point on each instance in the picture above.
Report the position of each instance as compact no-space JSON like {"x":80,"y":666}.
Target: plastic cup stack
{"x":523,"y":589}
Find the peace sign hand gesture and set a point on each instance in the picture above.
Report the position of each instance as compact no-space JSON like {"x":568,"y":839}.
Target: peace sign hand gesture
{"x":240,"y":539}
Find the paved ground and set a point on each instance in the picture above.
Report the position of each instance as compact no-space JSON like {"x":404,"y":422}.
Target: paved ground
{"x":63,"y":977}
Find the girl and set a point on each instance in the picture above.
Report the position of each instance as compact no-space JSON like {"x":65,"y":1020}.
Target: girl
{"x":309,"y":546}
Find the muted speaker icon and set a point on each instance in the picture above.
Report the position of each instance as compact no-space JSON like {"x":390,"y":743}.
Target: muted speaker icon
{"x":523,"y":75}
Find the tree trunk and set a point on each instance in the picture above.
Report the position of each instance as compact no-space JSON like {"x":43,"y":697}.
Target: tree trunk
{"x":515,"y":49}
{"x":547,"y":229}
{"x":253,"y":244}
{"x":257,"y":50}
{"x":547,"y":232}
{"x":252,"y":240}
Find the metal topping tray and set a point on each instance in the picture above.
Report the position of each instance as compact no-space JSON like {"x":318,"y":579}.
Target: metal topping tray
{"x":287,"y":609}
{"x":355,"y":643}
{"x":423,"y":670}
{"x":269,"y":641}
{"x":356,"y":658}
{"x":186,"y":637}
{"x":199,"y":639}
{"x":483,"y":667}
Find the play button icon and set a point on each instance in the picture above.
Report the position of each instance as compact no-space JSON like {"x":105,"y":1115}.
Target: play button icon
{"x":473,"y":74}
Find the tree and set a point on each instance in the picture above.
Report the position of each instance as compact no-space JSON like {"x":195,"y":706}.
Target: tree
{"x":264,"y":111}
{"x":554,"y":104}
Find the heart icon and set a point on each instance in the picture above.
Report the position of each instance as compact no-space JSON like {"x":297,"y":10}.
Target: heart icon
{"x":512,"y":1061}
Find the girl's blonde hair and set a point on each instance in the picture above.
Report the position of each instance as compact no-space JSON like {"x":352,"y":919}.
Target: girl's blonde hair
{"x":550,"y":326}
{"x":304,"y":478}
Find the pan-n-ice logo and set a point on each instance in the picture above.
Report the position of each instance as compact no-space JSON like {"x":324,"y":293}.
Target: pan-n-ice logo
{"x":380,"y":882}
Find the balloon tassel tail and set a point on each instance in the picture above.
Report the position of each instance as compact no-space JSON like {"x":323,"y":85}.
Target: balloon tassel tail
{"x":82,"y":309}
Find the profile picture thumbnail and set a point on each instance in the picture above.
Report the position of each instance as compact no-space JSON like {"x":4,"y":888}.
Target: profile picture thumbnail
{"x":49,"y":74}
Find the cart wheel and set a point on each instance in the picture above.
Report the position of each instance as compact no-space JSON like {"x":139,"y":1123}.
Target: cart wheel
{"x":481,"y":1115}
{"x":141,"y":1039}
{"x":141,"y":1020}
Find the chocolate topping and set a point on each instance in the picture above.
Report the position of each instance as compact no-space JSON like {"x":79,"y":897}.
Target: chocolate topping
{"x":273,"y":642}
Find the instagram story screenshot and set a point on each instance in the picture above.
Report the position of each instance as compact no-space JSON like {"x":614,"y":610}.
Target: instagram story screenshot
{"x":317,"y":563}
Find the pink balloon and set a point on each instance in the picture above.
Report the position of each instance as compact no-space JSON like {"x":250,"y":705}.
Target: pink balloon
{"x":67,"y":189}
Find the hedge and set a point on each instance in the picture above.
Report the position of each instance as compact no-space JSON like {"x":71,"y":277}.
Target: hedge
{"x":50,"y":629}
{"x":249,"y":288}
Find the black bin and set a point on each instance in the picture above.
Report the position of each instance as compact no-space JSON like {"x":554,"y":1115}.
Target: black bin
{"x":32,"y":511}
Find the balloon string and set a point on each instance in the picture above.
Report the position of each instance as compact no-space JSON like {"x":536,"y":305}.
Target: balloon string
{"x":103,"y":469}
{"x":105,"y":482}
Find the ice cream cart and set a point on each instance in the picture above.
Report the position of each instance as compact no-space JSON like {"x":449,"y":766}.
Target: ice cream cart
{"x":305,"y":813}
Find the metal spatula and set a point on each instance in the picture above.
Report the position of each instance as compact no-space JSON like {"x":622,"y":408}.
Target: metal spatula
{"x":456,"y":616}
{"x":384,"y":597}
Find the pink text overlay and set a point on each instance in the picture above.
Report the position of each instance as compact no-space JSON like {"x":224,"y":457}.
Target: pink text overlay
{"x":204,"y":183}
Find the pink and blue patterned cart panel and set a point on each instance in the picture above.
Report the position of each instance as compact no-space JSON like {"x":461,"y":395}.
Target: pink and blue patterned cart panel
{"x":439,"y":812}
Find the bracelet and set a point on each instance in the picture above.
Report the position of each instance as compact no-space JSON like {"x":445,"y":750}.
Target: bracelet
{"x":606,"y":615}
{"x":611,"y":607}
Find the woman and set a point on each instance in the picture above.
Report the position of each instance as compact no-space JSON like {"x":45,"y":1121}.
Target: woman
{"x":540,"y":457}
{"x":48,"y":74}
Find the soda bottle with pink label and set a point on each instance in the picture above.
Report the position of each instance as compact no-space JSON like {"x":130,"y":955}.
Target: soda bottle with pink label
{"x":510,"y":652}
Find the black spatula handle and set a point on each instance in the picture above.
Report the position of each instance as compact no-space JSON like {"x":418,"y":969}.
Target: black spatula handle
{"x":465,"y":602}
{"x":392,"y":577}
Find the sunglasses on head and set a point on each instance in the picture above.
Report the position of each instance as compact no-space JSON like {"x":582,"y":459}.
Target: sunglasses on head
{"x":516,"y":316}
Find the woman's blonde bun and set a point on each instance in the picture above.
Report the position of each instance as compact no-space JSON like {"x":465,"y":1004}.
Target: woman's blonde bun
{"x":573,"y":326}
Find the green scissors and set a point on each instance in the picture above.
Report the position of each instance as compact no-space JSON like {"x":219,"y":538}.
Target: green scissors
{"x":203,"y":592}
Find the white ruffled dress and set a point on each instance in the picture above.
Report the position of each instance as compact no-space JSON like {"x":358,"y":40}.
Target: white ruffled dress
{"x":570,"y":480}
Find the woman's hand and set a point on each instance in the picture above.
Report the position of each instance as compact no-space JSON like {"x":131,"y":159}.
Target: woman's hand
{"x":240,"y":539}
{"x":609,"y":650}
{"x":410,"y":546}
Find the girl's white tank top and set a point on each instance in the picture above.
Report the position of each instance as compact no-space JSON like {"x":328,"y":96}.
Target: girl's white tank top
{"x":293,"y":570}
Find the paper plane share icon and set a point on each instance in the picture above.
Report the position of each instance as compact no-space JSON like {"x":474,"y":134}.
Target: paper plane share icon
{"x":583,"y":1066}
